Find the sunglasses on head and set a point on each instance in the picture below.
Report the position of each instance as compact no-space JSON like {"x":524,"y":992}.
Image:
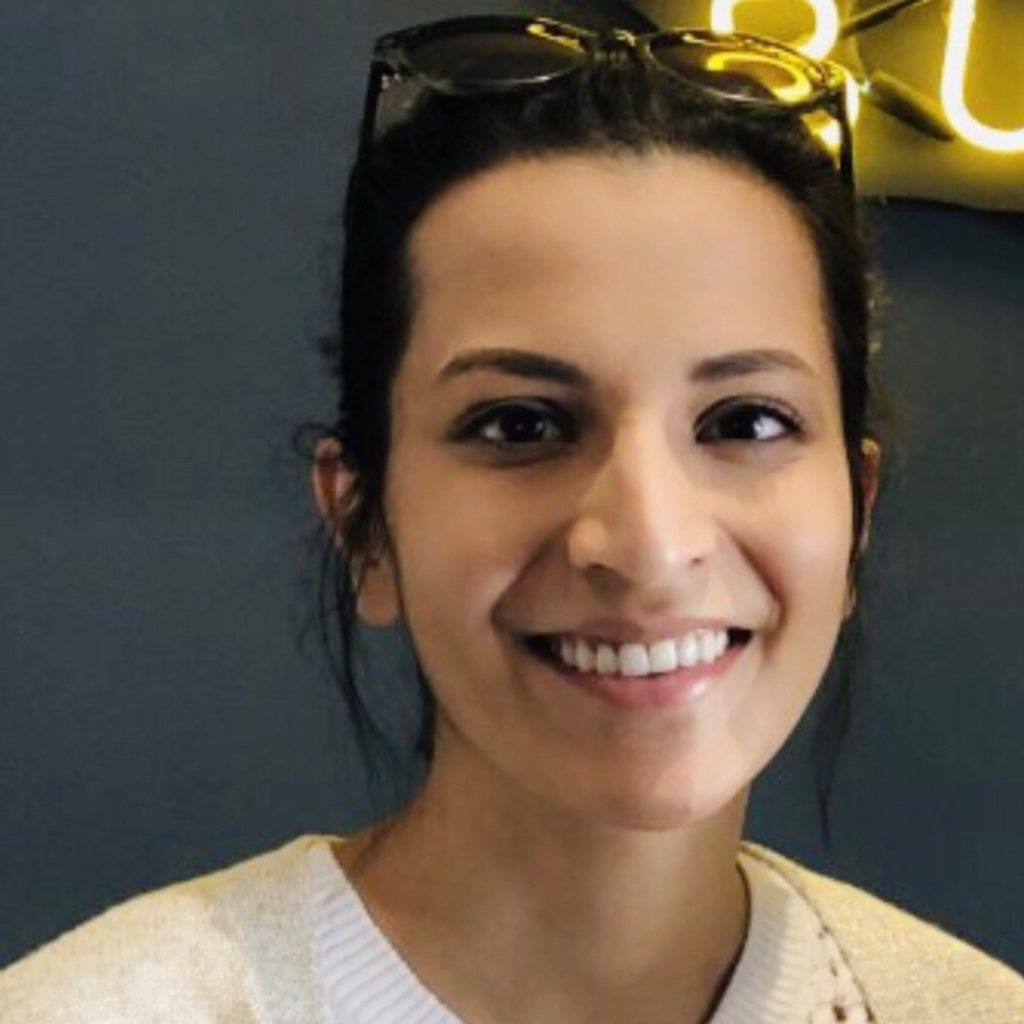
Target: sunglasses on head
{"x":490,"y":55}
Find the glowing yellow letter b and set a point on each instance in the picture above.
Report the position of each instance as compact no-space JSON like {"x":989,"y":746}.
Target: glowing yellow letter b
{"x":826,"y":24}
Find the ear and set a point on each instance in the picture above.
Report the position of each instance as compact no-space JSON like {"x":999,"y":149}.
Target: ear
{"x":871,"y":471}
{"x":871,"y":468}
{"x":374,"y":578}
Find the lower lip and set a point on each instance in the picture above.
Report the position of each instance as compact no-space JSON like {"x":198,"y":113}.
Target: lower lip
{"x":664,"y":690}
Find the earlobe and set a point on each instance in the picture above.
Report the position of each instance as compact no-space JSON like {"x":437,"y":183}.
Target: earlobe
{"x":871,"y":467}
{"x":330,"y":480}
{"x":373,"y":578}
{"x":870,"y":476}
{"x":377,"y":592}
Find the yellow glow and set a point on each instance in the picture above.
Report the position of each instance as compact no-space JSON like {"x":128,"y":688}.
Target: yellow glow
{"x":954,"y":73}
{"x":832,"y":133}
{"x":798,"y":90}
{"x":832,"y":136}
{"x":852,"y":98}
{"x":541,"y":30}
{"x":826,"y":24}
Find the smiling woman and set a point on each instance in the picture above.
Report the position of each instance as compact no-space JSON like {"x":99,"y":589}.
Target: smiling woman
{"x":678,"y":490}
{"x":604,"y":450}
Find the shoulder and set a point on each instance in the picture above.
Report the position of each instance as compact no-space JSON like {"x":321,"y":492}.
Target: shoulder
{"x":197,"y":950}
{"x":909,"y":969}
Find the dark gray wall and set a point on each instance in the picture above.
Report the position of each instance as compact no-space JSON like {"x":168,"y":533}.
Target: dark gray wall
{"x":169,"y":179}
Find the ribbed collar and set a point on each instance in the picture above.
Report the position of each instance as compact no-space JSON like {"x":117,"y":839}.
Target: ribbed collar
{"x":789,"y":972}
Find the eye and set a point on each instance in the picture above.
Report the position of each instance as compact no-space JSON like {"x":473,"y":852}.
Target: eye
{"x":748,"y":420}
{"x":518,"y":423}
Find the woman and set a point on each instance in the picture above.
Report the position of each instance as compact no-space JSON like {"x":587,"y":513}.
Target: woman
{"x":604,"y":449}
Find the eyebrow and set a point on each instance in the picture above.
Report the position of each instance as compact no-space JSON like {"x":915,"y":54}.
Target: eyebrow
{"x":748,"y":362}
{"x":533,"y":366}
{"x":516,"y":363}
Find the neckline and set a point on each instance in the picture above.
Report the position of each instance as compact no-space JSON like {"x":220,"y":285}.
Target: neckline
{"x":366,"y":979}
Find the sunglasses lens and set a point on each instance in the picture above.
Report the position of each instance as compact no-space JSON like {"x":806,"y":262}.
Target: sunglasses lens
{"x":736,"y":73}
{"x":488,"y":60}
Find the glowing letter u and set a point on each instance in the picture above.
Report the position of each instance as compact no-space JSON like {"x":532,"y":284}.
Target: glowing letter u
{"x":954,"y":73}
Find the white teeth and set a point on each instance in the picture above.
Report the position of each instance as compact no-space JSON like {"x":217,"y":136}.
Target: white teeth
{"x":708,"y":647}
{"x":664,"y":656}
{"x":567,"y":649}
{"x":635,"y":660}
{"x":607,"y":661}
{"x":689,"y":651}
{"x":721,"y":643}
{"x":585,"y":656}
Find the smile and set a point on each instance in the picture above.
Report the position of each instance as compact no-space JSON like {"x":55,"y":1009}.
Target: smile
{"x":638,"y":660}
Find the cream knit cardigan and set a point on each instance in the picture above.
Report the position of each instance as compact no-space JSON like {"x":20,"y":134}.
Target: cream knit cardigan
{"x":236,"y":947}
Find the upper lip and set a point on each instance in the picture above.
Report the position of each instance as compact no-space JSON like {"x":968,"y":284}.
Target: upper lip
{"x":620,"y":631}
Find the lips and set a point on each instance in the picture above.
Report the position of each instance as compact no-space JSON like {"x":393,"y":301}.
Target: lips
{"x":587,"y":655}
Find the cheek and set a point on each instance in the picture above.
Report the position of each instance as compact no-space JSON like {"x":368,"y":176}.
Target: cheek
{"x":801,"y":561}
{"x":808,"y":549}
{"x":462,"y":539}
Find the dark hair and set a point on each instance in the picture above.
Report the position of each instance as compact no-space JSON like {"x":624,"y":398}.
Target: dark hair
{"x":613,"y":107}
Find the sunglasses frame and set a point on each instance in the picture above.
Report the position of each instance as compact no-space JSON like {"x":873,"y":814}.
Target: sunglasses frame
{"x":394,"y":61}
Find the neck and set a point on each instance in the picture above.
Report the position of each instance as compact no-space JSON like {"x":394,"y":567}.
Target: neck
{"x":498,"y":900}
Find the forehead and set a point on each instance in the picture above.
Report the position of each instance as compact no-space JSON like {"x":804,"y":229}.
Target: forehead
{"x":670,"y":246}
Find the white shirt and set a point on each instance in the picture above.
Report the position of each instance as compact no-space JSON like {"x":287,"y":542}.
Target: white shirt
{"x":790,"y":970}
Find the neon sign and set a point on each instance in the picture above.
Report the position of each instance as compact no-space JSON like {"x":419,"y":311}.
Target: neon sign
{"x":954,"y":74}
{"x":826,"y":24}
{"x":828,"y":29}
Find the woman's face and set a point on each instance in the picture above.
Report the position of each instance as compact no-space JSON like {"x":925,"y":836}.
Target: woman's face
{"x":617,"y":499}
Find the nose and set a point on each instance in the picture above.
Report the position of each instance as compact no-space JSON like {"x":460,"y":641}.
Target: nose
{"x":643,"y":520}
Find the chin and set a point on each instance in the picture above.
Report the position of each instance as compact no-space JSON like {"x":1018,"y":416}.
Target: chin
{"x":676,"y":810}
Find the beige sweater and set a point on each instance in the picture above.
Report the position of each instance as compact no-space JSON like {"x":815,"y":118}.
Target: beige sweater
{"x":236,"y":947}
